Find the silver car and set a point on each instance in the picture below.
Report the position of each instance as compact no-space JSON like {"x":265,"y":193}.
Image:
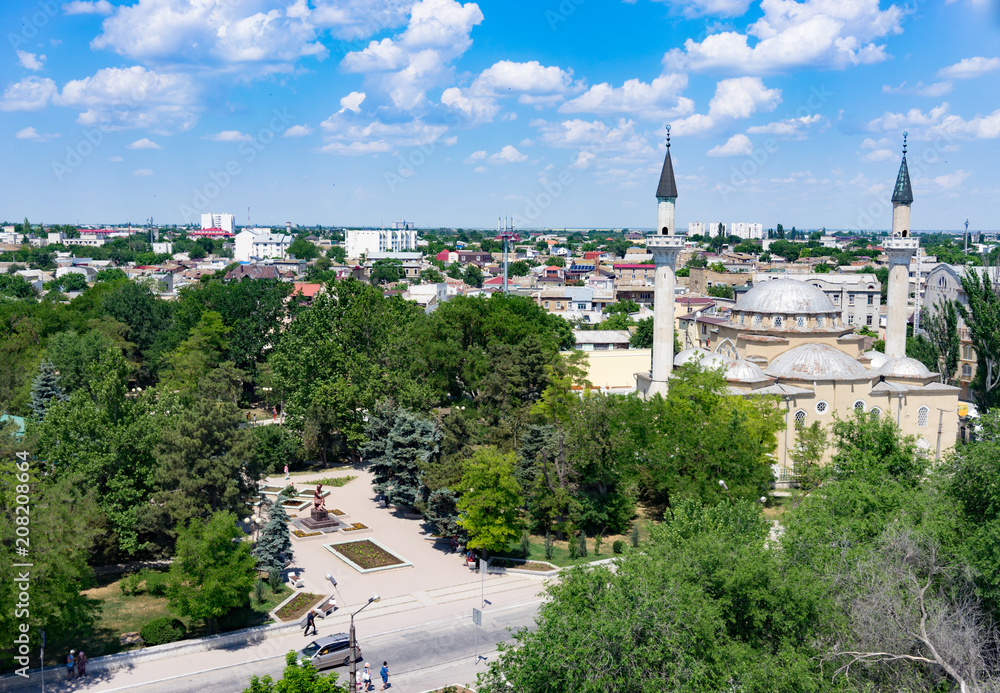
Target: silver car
{"x":328,"y":651}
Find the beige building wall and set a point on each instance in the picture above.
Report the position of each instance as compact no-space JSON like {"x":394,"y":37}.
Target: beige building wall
{"x":615,"y":370}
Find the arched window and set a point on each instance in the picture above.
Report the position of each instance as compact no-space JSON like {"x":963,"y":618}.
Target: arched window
{"x":800,"y":322}
{"x":800,"y":417}
{"x":922,"y":415}
{"x":860,"y":405}
{"x":777,"y":321}
{"x":876,"y":412}
{"x":822,"y":407}
{"x":756,"y":320}
{"x":966,"y":370}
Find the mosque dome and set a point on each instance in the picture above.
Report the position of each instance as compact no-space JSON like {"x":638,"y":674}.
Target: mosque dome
{"x":785,"y":297}
{"x":815,"y":361}
{"x":702,"y":356}
{"x":905,"y":367}
{"x":744,"y":371}
{"x":877,"y":358}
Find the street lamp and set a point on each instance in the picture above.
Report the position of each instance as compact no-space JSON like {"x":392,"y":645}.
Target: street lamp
{"x":726,"y":489}
{"x":353,"y":650}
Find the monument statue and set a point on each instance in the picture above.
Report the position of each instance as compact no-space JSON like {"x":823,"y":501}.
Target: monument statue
{"x":319,"y":518}
{"x":319,"y":503}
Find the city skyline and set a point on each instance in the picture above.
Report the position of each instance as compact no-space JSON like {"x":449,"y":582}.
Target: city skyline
{"x":453,"y":114}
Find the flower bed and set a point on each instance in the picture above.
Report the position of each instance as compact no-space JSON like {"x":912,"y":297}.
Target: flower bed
{"x":300,"y":534}
{"x":336,"y":511}
{"x":297,"y":606}
{"x":336,"y":481}
{"x":355,"y":527}
{"x":366,"y":555}
{"x":270,"y":489}
{"x":528,"y":565}
{"x":294,"y":504}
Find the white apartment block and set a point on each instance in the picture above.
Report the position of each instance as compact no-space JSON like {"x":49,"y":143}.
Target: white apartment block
{"x":696,"y":228}
{"x":257,"y":244}
{"x":367,"y":241}
{"x":226,"y":222}
{"x":746,"y":230}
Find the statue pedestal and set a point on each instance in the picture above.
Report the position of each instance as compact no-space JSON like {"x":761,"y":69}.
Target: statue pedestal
{"x":320,"y":519}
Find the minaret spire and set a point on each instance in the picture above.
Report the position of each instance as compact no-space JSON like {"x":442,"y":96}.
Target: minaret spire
{"x":668,"y":186}
{"x":902,"y":194}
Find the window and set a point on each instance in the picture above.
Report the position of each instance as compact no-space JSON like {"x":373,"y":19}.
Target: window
{"x":871,"y":300}
{"x":800,"y":417}
{"x":850,"y":299}
{"x":756,"y":321}
{"x":742,"y":318}
{"x":859,"y":405}
{"x":836,"y":298}
{"x":546,"y":305}
{"x":966,"y":370}
{"x":581,"y":306}
{"x":876,"y":412}
{"x":967,"y":353}
{"x":821,"y":321}
{"x":850,"y":319}
{"x":922,"y":415}
{"x":822,"y":407}
{"x":800,"y":322}
{"x":777,"y":321}
{"x":868,"y":320}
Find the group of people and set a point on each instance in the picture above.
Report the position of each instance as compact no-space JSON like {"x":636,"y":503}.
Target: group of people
{"x":76,"y":665}
{"x":364,"y":678}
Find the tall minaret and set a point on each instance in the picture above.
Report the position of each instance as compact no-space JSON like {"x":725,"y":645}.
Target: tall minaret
{"x":665,"y":247}
{"x":899,"y":248}
{"x":666,"y":196}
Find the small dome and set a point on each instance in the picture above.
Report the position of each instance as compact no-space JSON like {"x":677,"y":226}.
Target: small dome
{"x":877,"y":358}
{"x":705,"y":358}
{"x":904,"y":367}
{"x":785,"y":297}
{"x":744,"y":371}
{"x":815,"y":362}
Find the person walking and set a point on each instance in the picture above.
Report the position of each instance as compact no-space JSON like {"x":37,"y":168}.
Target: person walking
{"x":310,"y":623}
{"x":367,"y":677}
{"x":81,"y":665}
{"x":286,"y":473}
{"x":70,"y":665}
{"x":384,"y":673}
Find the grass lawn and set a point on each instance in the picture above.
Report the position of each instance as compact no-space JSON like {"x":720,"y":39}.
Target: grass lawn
{"x":121,"y":613}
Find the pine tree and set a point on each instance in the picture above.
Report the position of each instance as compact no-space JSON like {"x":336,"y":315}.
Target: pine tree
{"x":399,"y":442}
{"x":45,"y":388}
{"x":275,"y":538}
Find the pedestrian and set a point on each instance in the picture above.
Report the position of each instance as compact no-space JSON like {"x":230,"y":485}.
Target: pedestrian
{"x":70,"y":665}
{"x":357,"y":680}
{"x":274,"y":411}
{"x":384,"y":673}
{"x":81,"y":665}
{"x":248,"y":417}
{"x":286,"y":473}
{"x":310,"y":623}
{"x":254,"y":419}
{"x":367,"y":677}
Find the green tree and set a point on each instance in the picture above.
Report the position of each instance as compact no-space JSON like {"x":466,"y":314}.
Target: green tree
{"x":518,"y":268}
{"x":721,"y":291}
{"x":432,"y":276}
{"x":399,"y":443}
{"x":16,"y":286}
{"x":193,"y":358}
{"x":301,"y":249}
{"x":810,"y":446}
{"x":872,"y":448}
{"x":213,"y":570}
{"x":275,"y":542}
{"x":135,"y":305}
{"x":296,"y":679}
{"x":387,"y":271}
{"x":941,"y":327}
{"x":110,"y":274}
{"x":337,"y":253}
{"x":491,"y":500}
{"x":44,"y":389}
{"x":473,"y":276}
{"x":621,"y":307}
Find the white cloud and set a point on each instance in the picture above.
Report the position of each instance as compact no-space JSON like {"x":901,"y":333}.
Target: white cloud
{"x":228,"y":136}
{"x":620,"y":141}
{"x":132,"y":97}
{"x":967,"y":68}
{"x":115,"y":158}
{"x":142,"y":172}
{"x":935,"y":90}
{"x":738,"y":145}
{"x":479,"y":169}
{"x":529,"y":77}
{"x":657,"y":100}
{"x":952,"y":180}
{"x":880,"y":155}
{"x":30,"y":133}
{"x":735,"y":98}
{"x":144,"y":143}
{"x":352,"y":102}
{"x":700,"y":8}
{"x":938,"y":122}
{"x":344,"y":134}
{"x":404,"y":67}
{"x":790,"y":128}
{"x":84,"y":7}
{"x":31,"y":61}
{"x":478,"y":109}
{"x":476,"y":156}
{"x":819,"y":33}
{"x":297,"y":131}
{"x":583,"y":160}
{"x":30,"y":94}
{"x":508,"y":155}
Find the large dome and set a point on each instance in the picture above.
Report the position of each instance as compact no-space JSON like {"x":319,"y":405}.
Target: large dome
{"x":706,"y":358}
{"x":816,"y":362}
{"x":904,"y":367}
{"x":785,"y":297}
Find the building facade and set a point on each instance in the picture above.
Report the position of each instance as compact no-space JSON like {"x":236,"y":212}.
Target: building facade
{"x":226,"y":222}
{"x":360,"y":242}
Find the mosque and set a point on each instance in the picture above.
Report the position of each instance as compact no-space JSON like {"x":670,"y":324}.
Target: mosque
{"x":786,"y":338}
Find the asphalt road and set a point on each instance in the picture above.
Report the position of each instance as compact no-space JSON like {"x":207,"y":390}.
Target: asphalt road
{"x":419,"y":658}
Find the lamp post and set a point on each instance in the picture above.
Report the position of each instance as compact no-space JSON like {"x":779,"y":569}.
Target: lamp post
{"x":726,"y":489}
{"x":354,"y":655}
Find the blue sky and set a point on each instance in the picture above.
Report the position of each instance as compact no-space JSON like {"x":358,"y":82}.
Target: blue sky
{"x":361,"y":112}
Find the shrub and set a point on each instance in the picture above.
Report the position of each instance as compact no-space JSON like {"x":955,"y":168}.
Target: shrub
{"x":548,"y":546}
{"x":258,"y":590}
{"x":163,"y":630}
{"x":274,"y":578}
{"x":525,"y":544}
{"x":574,"y":548}
{"x":583,"y":544}
{"x":618,"y":546}
{"x":156,"y":582}
{"x":635,"y":536}
{"x":130,"y":584}
{"x":289,"y":491}
{"x":597,"y":544}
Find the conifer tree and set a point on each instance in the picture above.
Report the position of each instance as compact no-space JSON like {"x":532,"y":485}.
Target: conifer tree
{"x":275,"y":538}
{"x":45,"y":388}
{"x":399,"y":442}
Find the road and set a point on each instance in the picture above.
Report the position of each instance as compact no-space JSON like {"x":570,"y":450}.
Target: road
{"x":420,"y":657}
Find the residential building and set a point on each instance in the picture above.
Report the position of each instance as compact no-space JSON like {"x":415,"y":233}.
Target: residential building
{"x":253,"y":244}
{"x":224,"y":222}
{"x":601,"y":340}
{"x":858,"y":296}
{"x":360,"y":242}
{"x":746,"y":230}
{"x":628,"y":271}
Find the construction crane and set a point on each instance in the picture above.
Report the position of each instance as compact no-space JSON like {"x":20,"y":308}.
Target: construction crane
{"x":505,"y":234}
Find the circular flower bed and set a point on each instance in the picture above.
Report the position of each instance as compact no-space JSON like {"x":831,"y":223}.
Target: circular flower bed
{"x":367,"y":554}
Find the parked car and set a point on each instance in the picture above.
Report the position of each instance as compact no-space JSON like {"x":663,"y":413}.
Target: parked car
{"x":328,"y":651}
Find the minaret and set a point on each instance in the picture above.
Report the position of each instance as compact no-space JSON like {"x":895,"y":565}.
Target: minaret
{"x":899,"y":248}
{"x":665,"y":247}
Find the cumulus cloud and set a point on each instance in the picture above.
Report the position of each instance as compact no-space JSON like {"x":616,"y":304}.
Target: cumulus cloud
{"x":29,"y":94}
{"x":297,"y":131}
{"x":352,"y":102}
{"x":935,"y":90}
{"x":84,"y":7}
{"x":619,"y":141}
{"x":479,"y":109}
{"x":967,"y":68}
{"x":879,"y":155}
{"x":734,"y":99}
{"x":583,"y":160}
{"x":228,"y":136}
{"x":508,"y":155}
{"x":738,"y":145}
{"x":115,"y":159}
{"x":790,"y":128}
{"x":816,"y":33}
{"x":656,"y":100}
{"x":939,"y":122}
{"x":476,"y":156}
{"x":532,"y":82}
{"x":30,"y":133}
{"x":31,"y":61}
{"x":701,"y":8}
{"x":142,"y":172}
{"x":144,"y":143}
{"x":344,"y":134}
{"x":952,"y":180}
